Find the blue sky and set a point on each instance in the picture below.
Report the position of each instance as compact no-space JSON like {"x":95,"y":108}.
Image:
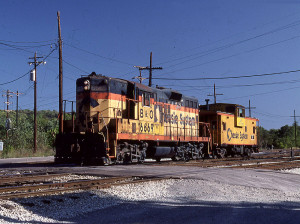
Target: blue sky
{"x":189,"y":39}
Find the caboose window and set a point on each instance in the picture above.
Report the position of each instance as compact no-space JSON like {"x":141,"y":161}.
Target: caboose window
{"x":224,"y":126}
{"x":241,"y":112}
{"x":187,"y":103}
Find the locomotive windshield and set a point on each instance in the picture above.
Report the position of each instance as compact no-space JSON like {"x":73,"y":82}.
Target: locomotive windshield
{"x":94,"y":85}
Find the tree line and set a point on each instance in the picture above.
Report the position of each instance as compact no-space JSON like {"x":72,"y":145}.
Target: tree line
{"x":282,"y":138}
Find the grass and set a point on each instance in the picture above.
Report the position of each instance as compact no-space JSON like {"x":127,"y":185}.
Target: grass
{"x":20,"y":153}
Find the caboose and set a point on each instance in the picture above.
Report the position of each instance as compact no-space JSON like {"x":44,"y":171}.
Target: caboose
{"x":120,"y":121}
{"x":232,"y":132}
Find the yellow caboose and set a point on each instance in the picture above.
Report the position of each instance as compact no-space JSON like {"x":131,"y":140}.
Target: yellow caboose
{"x":232,"y":132}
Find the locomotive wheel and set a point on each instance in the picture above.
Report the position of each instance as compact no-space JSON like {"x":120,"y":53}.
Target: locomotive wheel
{"x":195,"y":153}
{"x":247,"y":153}
{"x":187,"y":158}
{"x":222,"y":153}
{"x":157,"y":159}
{"x":127,"y":158}
{"x":142,"y":157}
{"x":199,"y":154}
{"x":180,"y":154}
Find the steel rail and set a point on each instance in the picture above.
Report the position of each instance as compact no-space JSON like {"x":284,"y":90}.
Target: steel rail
{"x":54,"y":188}
{"x":8,"y":180}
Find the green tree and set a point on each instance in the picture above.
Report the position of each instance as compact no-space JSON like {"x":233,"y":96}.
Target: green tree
{"x":20,"y":139}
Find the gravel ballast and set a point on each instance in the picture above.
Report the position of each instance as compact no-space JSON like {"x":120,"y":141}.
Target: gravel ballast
{"x":295,"y":170}
{"x":141,"y":201}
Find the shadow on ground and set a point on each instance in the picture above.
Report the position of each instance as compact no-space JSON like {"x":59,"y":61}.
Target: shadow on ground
{"x":108,"y":209}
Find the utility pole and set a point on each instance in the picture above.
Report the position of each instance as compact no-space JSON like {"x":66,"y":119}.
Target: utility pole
{"x":7,"y":95}
{"x":150,"y":68}
{"x":17,"y":108}
{"x":73,"y":117}
{"x":250,"y":108}
{"x":65,"y":106}
{"x":215,"y":94}
{"x":34,"y":78}
{"x":295,"y":124}
{"x":140,"y":78}
{"x":60,"y":113}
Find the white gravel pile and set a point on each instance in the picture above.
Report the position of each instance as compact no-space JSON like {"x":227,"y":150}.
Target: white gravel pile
{"x":295,"y":170}
{"x":58,"y":208}
{"x":53,"y":209}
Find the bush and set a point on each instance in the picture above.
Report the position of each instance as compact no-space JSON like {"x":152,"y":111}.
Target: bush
{"x":20,"y":139}
{"x":279,"y":138}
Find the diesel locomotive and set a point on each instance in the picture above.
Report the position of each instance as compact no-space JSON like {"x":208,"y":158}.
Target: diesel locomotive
{"x":124,"y":121}
{"x":121,"y":121}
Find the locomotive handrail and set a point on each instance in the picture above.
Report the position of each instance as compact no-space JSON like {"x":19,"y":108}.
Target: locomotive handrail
{"x":107,"y":137}
{"x":132,"y":100}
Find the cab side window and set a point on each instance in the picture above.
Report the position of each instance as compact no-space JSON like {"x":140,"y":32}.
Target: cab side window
{"x":240,"y":112}
{"x":146,"y":99}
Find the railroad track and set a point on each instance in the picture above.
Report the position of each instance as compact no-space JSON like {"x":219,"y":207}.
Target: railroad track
{"x":271,"y":160}
{"x":24,"y":186}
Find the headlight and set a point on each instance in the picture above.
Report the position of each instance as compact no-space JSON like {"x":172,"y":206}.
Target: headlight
{"x":87,"y":85}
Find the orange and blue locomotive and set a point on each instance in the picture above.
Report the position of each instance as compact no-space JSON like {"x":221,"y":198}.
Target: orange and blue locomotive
{"x":124,"y":121}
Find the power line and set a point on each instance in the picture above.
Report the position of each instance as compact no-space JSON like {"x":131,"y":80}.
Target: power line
{"x":28,"y":42}
{"x":230,"y":77}
{"x":107,"y":58}
{"x":5,"y":83}
{"x":230,"y":56}
{"x":15,"y":47}
{"x":272,"y":115}
{"x":233,"y":44}
{"x":68,"y":63}
{"x":238,"y":85}
{"x":27,"y":46}
{"x":258,"y":94}
{"x":1,"y":84}
{"x":228,"y":37}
